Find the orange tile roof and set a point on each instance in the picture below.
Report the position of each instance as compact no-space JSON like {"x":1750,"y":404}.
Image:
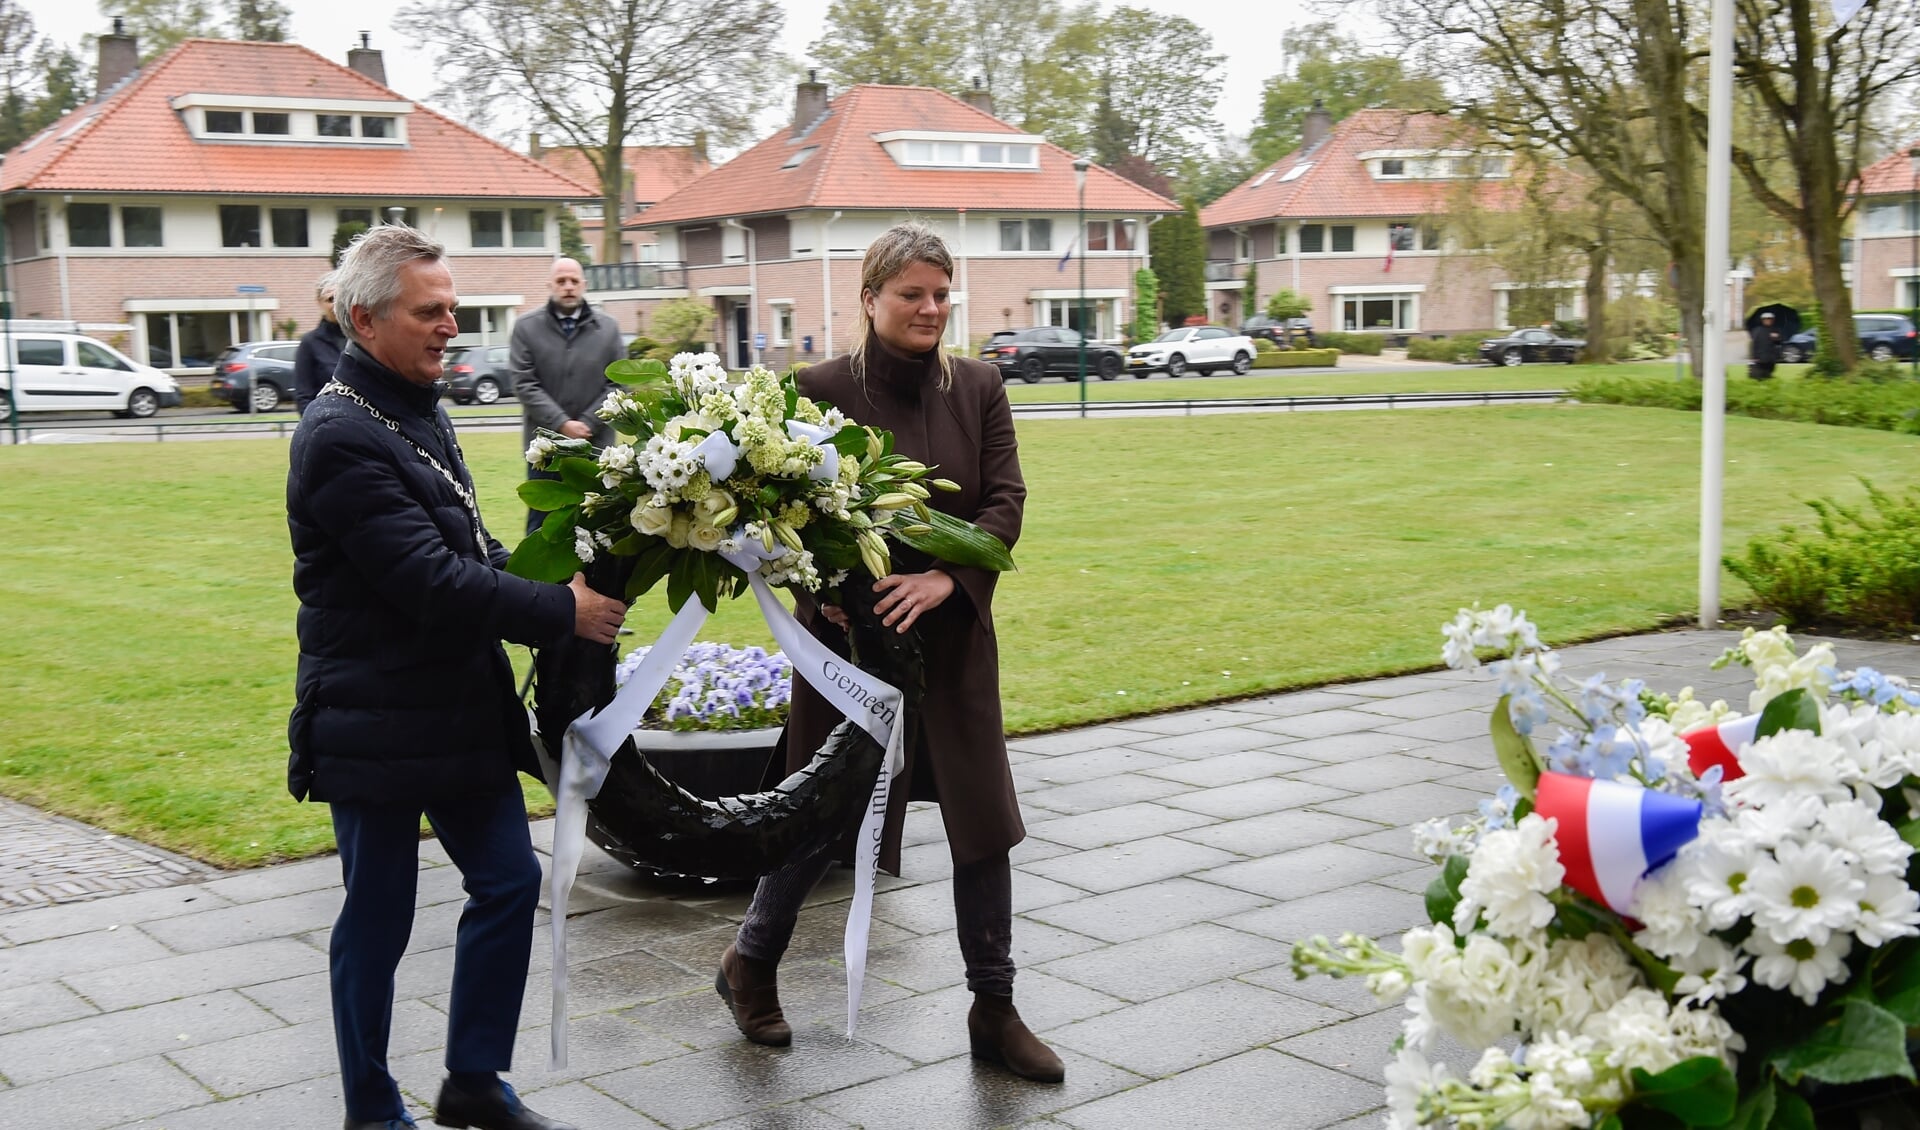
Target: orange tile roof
{"x":1891,"y":174}
{"x":135,"y":141}
{"x":1336,"y":182}
{"x":850,"y":170}
{"x":654,"y":172}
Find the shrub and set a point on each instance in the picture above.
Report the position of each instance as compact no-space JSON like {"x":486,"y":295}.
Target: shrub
{"x":1853,"y":402}
{"x":684,"y":322}
{"x":1859,"y":568}
{"x":1459,"y":349}
{"x":1352,"y":343}
{"x":1296,"y":358}
{"x":1264,"y":345}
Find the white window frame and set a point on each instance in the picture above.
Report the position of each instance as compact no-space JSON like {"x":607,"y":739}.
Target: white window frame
{"x":1406,"y":300}
{"x":782,"y":321}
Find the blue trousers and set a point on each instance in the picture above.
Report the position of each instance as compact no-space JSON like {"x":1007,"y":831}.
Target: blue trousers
{"x":380,"y":858}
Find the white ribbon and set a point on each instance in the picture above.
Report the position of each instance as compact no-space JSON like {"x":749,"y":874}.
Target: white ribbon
{"x":587,"y":749}
{"x":719,"y":454}
{"x":816,"y":434}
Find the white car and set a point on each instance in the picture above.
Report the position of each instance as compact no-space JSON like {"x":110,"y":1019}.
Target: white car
{"x":1199,"y":349}
{"x":64,"y":372}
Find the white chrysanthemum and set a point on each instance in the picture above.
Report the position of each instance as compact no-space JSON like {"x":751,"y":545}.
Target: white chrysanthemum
{"x":1409,"y":1079}
{"x":1865,"y":839}
{"x":616,"y":465}
{"x":1889,"y":909}
{"x":1509,"y":877}
{"x":539,"y":451}
{"x":1703,"y":1031}
{"x":1635,"y":1032}
{"x":1713,"y":971}
{"x":1800,"y":965}
{"x":1788,"y":764}
{"x":1804,"y":891}
{"x":1670,"y":925}
{"x":583,"y":544}
{"x":1787,"y":820}
{"x":1715,"y":868}
{"x":1473,"y":994}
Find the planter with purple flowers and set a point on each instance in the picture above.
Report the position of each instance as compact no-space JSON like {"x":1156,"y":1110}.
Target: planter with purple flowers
{"x":712,"y":729}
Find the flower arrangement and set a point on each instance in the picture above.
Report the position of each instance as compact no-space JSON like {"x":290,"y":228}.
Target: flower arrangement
{"x":1674,"y":915}
{"x":721,"y":477}
{"x":717,"y":687}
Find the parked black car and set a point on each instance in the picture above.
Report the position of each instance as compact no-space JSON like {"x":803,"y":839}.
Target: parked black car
{"x":1031,"y":354}
{"x":260,"y":371}
{"x":1277,"y":330}
{"x":1522,"y":346}
{"x":1883,"y":337}
{"x":477,"y":374}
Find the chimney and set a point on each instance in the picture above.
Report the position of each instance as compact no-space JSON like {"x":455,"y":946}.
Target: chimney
{"x":980,"y":98}
{"x":809,"y":103}
{"x":534,"y":148}
{"x":119,"y":57}
{"x":368,"y":61}
{"x":1315,"y":127}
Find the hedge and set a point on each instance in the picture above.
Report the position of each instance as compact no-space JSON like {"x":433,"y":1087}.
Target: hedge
{"x":1370,"y":344}
{"x":1297,"y":358}
{"x":1886,"y":404}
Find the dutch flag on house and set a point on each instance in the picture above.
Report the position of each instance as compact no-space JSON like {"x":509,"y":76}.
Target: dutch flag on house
{"x":1720,"y":745}
{"x":1610,"y":834}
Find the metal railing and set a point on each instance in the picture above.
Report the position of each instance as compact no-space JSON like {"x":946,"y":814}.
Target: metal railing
{"x":1222,"y":270}
{"x":637,"y":276}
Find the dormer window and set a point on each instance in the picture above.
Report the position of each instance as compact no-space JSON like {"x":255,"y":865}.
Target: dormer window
{"x":1393,"y":167}
{"x":326,"y":121}
{"x":375,"y":126}
{"x":275,"y":125}
{"x":936,"y":150}
{"x":1434,"y":164}
{"x":334,"y":125}
{"x":226,"y":121}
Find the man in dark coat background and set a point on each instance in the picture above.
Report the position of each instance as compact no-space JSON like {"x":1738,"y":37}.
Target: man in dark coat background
{"x":406,"y":702}
{"x":1766,"y":338}
{"x":320,"y":348}
{"x":559,"y":357}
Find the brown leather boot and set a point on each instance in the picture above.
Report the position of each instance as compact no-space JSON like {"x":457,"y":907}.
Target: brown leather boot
{"x":998,"y":1035}
{"x":751,"y":990}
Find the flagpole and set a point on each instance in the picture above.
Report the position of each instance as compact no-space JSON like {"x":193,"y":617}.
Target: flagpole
{"x":1713,"y":401}
{"x":1080,"y":182}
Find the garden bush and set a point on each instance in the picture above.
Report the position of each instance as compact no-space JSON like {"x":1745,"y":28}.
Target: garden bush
{"x":1296,"y":358}
{"x":1458,"y":349}
{"x":1264,"y":345}
{"x":1858,"y":569}
{"x":1351,"y":343}
{"x":1878,"y":402}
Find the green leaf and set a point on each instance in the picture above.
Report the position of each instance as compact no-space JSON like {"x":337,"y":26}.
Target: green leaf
{"x":549,"y":494}
{"x":957,"y":542}
{"x":1755,"y":1111}
{"x":1517,"y":759}
{"x":1864,"y":1042}
{"x":1610,"y":1122}
{"x":649,"y":566}
{"x":1898,"y":987}
{"x":577,"y":472}
{"x":1795,"y":710}
{"x":1910,"y":832}
{"x":537,"y":558}
{"x":638,"y":373}
{"x":629,"y":545}
{"x":1443,"y":894}
{"x":850,"y":441}
{"x":1790,"y":1111}
{"x":1698,"y":1091}
{"x":557,"y":526}
{"x":679,"y":584}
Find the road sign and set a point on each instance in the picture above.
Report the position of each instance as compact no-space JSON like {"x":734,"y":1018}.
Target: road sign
{"x":759,"y":341}
{"x":250,"y":289}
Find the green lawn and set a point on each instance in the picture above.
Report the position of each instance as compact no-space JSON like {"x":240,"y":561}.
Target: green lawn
{"x":147,"y":658}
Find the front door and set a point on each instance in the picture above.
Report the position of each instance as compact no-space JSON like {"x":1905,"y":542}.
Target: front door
{"x":743,"y":354}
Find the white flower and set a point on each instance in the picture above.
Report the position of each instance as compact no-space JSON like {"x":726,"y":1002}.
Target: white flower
{"x":1889,"y":909}
{"x":616,"y":465}
{"x":1805,"y":891}
{"x":1581,"y":977}
{"x":583,"y":544}
{"x":653,"y":521}
{"x":1787,"y":819}
{"x":1788,"y":764}
{"x":1409,"y":1078}
{"x":1715,"y":868}
{"x":1670,"y":925}
{"x":1635,"y":1032}
{"x":704,"y":537}
{"x":1800,"y":965}
{"x":1865,"y":839}
{"x":1509,"y":876}
{"x":539,"y":451}
{"x":1713,"y":971}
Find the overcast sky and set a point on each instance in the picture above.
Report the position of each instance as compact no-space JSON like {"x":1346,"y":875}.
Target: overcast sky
{"x":1247,"y":32}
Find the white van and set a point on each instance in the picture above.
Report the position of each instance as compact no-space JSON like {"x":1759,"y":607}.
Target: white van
{"x":64,"y":372}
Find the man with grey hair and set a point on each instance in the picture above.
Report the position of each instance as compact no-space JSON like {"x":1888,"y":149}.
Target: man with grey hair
{"x":319,"y":350}
{"x":559,"y":357}
{"x":405,"y":700}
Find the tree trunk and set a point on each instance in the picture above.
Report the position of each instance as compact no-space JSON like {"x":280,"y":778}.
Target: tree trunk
{"x":1816,"y":164}
{"x":1599,"y":258}
{"x":613,"y":180}
{"x":1662,"y":66}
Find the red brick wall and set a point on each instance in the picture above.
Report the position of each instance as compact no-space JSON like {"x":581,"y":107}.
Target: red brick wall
{"x":1874,"y":257}
{"x":1458,"y":292}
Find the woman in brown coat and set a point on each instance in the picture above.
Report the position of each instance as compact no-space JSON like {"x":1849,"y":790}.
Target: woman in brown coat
{"x":951,"y":413}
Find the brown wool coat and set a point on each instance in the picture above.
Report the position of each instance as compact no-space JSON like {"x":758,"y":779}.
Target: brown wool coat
{"x":960,"y":757}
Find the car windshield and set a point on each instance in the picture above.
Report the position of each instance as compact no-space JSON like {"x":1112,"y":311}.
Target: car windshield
{"x":1173,"y":335}
{"x":227,"y":354}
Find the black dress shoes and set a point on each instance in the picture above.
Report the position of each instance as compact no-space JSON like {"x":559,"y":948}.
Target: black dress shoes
{"x":499,"y":1109}
{"x":401,"y":1123}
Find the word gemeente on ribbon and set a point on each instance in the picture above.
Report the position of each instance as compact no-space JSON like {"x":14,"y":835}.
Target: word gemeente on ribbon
{"x":1610,"y":833}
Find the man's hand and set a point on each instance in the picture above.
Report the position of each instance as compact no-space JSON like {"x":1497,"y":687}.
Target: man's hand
{"x":574,"y":429}
{"x":835,"y":615}
{"x":909,"y":595}
{"x":595,"y":617}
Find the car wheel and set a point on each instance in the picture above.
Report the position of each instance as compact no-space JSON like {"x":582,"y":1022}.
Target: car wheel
{"x":265,"y":396}
{"x":486,"y":391}
{"x":1882,"y":353}
{"x":1032,"y":369}
{"x":1176,"y":366}
{"x":1511,"y":357}
{"x":142,"y":403}
{"x":1241,"y":363}
{"x":1789,"y":355}
{"x":1109,"y":367}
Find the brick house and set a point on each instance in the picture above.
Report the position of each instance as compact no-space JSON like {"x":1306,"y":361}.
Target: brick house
{"x":774,"y":237}
{"x":1354,"y":221}
{"x":195,"y":201}
{"x":653,"y":173}
{"x":1886,"y":230}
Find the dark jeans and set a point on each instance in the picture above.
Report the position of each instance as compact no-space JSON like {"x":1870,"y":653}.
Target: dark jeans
{"x":535,"y":517}
{"x":380,"y":860}
{"x":982,"y":908}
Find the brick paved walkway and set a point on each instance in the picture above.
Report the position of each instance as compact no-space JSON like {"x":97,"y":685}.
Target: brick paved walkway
{"x":46,"y":859}
{"x":1171,"y":862}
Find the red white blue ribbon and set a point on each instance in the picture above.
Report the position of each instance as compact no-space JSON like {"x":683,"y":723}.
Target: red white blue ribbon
{"x":1610,"y":834}
{"x":1720,"y":745}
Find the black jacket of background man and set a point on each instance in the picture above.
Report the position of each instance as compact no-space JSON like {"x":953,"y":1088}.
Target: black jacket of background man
{"x":1766,"y":339}
{"x":404,"y":692}
{"x":314,"y":361}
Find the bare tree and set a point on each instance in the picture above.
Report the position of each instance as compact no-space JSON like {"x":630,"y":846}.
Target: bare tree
{"x":603,"y":75}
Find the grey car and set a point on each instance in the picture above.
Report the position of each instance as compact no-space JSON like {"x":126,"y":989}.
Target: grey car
{"x":260,"y":372}
{"x":478,"y":374}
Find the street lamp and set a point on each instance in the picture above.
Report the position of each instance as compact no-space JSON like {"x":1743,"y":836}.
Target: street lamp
{"x":1913,"y":234}
{"x":1080,"y":167}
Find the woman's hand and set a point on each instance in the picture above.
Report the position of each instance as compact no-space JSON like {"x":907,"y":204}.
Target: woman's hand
{"x":835,"y":615}
{"x":908,"y":595}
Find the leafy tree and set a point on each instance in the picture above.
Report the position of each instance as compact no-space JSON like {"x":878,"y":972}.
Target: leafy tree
{"x":683,"y":322}
{"x":897,"y":42}
{"x":573,"y":243}
{"x":342,"y":236}
{"x":1318,"y":63}
{"x":1038,"y":58}
{"x":262,"y":21}
{"x":1146,"y":306}
{"x":1250,"y":295}
{"x":1157,"y":78}
{"x":603,"y":76}
{"x":161,"y":24}
{"x":1180,"y":263}
{"x":1286,"y":305}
